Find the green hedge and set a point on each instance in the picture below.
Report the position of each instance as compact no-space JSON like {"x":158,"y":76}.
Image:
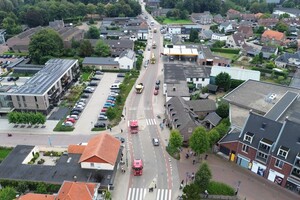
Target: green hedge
{"x":223,"y":50}
{"x":61,"y":128}
{"x":98,"y":129}
{"x":270,"y":71}
{"x":217,"y":188}
{"x":235,"y":83}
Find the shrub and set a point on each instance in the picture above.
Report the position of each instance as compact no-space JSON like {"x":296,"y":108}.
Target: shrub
{"x":54,"y":153}
{"x":41,"y":161}
{"x":217,"y":188}
{"x":221,"y":50}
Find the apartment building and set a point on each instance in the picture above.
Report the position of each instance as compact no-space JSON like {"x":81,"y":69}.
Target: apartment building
{"x":43,"y":91}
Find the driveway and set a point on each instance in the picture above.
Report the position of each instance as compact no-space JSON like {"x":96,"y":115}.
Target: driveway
{"x":90,"y":113}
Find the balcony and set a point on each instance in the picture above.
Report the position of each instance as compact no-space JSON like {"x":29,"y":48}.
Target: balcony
{"x":262,"y":157}
{"x":296,"y":172}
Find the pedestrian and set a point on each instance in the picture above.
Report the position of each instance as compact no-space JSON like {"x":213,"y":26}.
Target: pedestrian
{"x":206,"y":157}
{"x":110,"y":129}
{"x":193,"y":176}
{"x":187,"y":156}
{"x":194,"y":161}
{"x":121,"y":130}
{"x":191,"y":153}
{"x":206,"y":194}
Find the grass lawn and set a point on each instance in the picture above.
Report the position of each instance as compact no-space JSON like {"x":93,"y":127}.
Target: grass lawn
{"x":174,"y":21}
{"x":4,"y":152}
{"x":231,"y":56}
{"x":85,"y":76}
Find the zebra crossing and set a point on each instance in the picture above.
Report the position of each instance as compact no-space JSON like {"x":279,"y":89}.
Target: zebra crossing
{"x":140,"y":194}
{"x":150,"y":122}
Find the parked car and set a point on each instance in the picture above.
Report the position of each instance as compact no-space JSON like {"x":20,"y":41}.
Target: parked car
{"x":82,"y":100}
{"x":102,"y":117}
{"x":121,"y":139}
{"x":10,"y":79}
{"x":110,"y":101}
{"x":85,"y":96}
{"x":88,"y":91}
{"x":80,"y":103}
{"x":103,"y":113}
{"x":157,"y":87}
{"x":96,"y":79}
{"x":157,"y":82}
{"x":90,"y":88}
{"x":155,"y":92}
{"x":103,"y":109}
{"x":110,"y":104}
{"x":92,"y":84}
{"x":98,"y":72}
{"x":155,"y":142}
{"x":71,"y":120}
{"x":73,"y":116}
{"x":68,"y":123}
{"x":121,"y":75}
{"x":111,"y":98}
{"x":75,"y":112}
{"x":100,"y":125}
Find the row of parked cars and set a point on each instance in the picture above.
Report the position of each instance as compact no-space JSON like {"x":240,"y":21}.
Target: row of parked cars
{"x":156,"y":88}
{"x":80,"y":104}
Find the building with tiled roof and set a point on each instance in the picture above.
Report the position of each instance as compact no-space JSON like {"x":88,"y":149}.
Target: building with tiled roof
{"x":77,"y":149}
{"x":246,"y":31}
{"x":273,"y":37}
{"x":33,"y":196}
{"x":101,"y":152}
{"x":268,"y":22}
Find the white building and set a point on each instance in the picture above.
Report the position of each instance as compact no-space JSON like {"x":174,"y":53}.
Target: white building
{"x":142,"y":34}
{"x":127,"y":59}
{"x":218,"y":37}
{"x":236,"y":73}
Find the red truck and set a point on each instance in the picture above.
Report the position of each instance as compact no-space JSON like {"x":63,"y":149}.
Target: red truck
{"x":134,"y":127}
{"x":137,"y":167}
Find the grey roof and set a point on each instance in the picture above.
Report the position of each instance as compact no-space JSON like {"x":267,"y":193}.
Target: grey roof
{"x":128,"y":53}
{"x":261,"y":128}
{"x":183,"y":114}
{"x":232,"y":135}
{"x":290,"y":139}
{"x":174,"y":72}
{"x":268,"y":49}
{"x":281,"y":106}
{"x":294,"y":11}
{"x":286,"y":56}
{"x":42,"y":81}
{"x":178,"y":89}
{"x":126,"y":44}
{"x":213,"y":118}
{"x":212,"y":87}
{"x":203,"y":105}
{"x":238,"y":38}
{"x":99,"y":61}
{"x":207,"y":33}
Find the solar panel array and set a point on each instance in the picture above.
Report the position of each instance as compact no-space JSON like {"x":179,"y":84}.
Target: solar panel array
{"x":46,"y":77}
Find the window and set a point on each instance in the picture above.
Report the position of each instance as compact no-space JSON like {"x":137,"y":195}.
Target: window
{"x":37,"y":106}
{"x":262,"y":156}
{"x":92,"y":165}
{"x":23,"y":98}
{"x":245,"y":148}
{"x":35,"y":99}
{"x":197,"y":79}
{"x":25,"y":105}
{"x":18,"y":98}
{"x":264,"y":146}
{"x":282,"y":153}
{"x":279,"y":163}
{"x":203,"y":79}
{"x":248,"y":138}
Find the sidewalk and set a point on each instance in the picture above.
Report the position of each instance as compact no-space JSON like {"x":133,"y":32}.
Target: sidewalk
{"x":252,"y":187}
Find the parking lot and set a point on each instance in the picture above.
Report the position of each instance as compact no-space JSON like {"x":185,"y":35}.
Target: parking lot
{"x":89,"y":115}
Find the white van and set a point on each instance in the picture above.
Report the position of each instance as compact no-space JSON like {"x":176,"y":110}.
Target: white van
{"x":115,"y":86}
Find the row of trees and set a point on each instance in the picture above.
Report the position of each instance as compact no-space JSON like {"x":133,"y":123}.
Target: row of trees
{"x":26,"y":118}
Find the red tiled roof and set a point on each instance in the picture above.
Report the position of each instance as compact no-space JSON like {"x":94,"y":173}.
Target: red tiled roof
{"x":32,"y":196}
{"x":76,"y":149}
{"x":102,"y":148}
{"x":76,"y":191}
{"x":273,"y":35}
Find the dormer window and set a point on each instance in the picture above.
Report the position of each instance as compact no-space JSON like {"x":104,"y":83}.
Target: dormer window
{"x":178,"y":125}
{"x":283,"y":152}
{"x":175,"y":120}
{"x":171,"y":109}
{"x":248,"y":137}
{"x":173,"y":114}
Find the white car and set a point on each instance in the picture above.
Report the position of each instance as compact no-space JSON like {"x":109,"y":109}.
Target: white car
{"x":67,"y":123}
{"x":82,"y":100}
{"x":80,"y":103}
{"x":102,"y":117}
{"x":79,"y":107}
{"x":90,"y":88}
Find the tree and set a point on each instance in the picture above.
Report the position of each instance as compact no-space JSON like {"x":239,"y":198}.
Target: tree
{"x":203,"y":177}
{"x":11,"y":26}
{"x":213,"y":137}
{"x":223,"y":110}
{"x":107,"y":195}
{"x":7,"y":193}
{"x":191,"y":192}
{"x":22,"y":187}
{"x":218,"y":44}
{"x":111,"y":113}
{"x":41,"y":188}
{"x":260,"y":30}
{"x":46,"y":42}
{"x":223,"y":80}
{"x":93,"y":33}
{"x":102,"y":49}
{"x":194,"y":35}
{"x":26,"y":118}
{"x":175,"y":140}
{"x":281,"y":27}
{"x":199,"y":140}
{"x":85,"y":48}
{"x":34,"y":18}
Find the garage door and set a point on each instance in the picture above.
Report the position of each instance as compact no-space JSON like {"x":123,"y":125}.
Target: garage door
{"x":243,"y":162}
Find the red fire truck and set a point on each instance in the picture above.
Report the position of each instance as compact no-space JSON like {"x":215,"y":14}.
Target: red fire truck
{"x":134,"y":127}
{"x":137,"y":167}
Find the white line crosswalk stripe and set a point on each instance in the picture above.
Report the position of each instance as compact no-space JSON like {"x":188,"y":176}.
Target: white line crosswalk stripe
{"x":150,"y":122}
{"x":141,"y":193}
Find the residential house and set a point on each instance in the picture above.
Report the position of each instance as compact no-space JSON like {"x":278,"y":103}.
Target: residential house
{"x":235,"y":73}
{"x":225,"y":27}
{"x":268,"y":22}
{"x":101,"y":152}
{"x":119,"y":46}
{"x":206,"y":57}
{"x":206,"y":34}
{"x":219,"y":37}
{"x":273,"y":37}
{"x":43,"y":90}
{"x":292,"y":12}
{"x":268,"y":51}
{"x":218,"y":19}
{"x":235,"y":41}
{"x":127,"y":60}
{"x":183,"y":29}
{"x":291,"y":21}
{"x":250,"y":50}
{"x":233,"y":14}
{"x":160,"y":12}
{"x":101,"y":63}
{"x":68,"y":191}
{"x":248,"y":17}
{"x":211,"y":120}
{"x":202,"y":18}
{"x":288,"y":59}
{"x":181,"y":115}
{"x":246,"y":31}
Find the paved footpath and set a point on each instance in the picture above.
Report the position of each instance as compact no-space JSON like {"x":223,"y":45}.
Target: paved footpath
{"x":252,"y":187}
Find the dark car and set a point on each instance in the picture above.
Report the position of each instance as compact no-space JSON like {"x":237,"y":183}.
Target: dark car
{"x":15,"y":78}
{"x":84,"y":96}
{"x":10,"y":79}
{"x":121,"y":139}
{"x":100,"y":125}
{"x":99,"y":72}
{"x":96,"y":79}
{"x":121,"y":75}
{"x":157,"y":87}
{"x":87,"y":91}
{"x":157,"y":82}
{"x":93,"y":84}
{"x":76,"y":109}
{"x":74,"y":112}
